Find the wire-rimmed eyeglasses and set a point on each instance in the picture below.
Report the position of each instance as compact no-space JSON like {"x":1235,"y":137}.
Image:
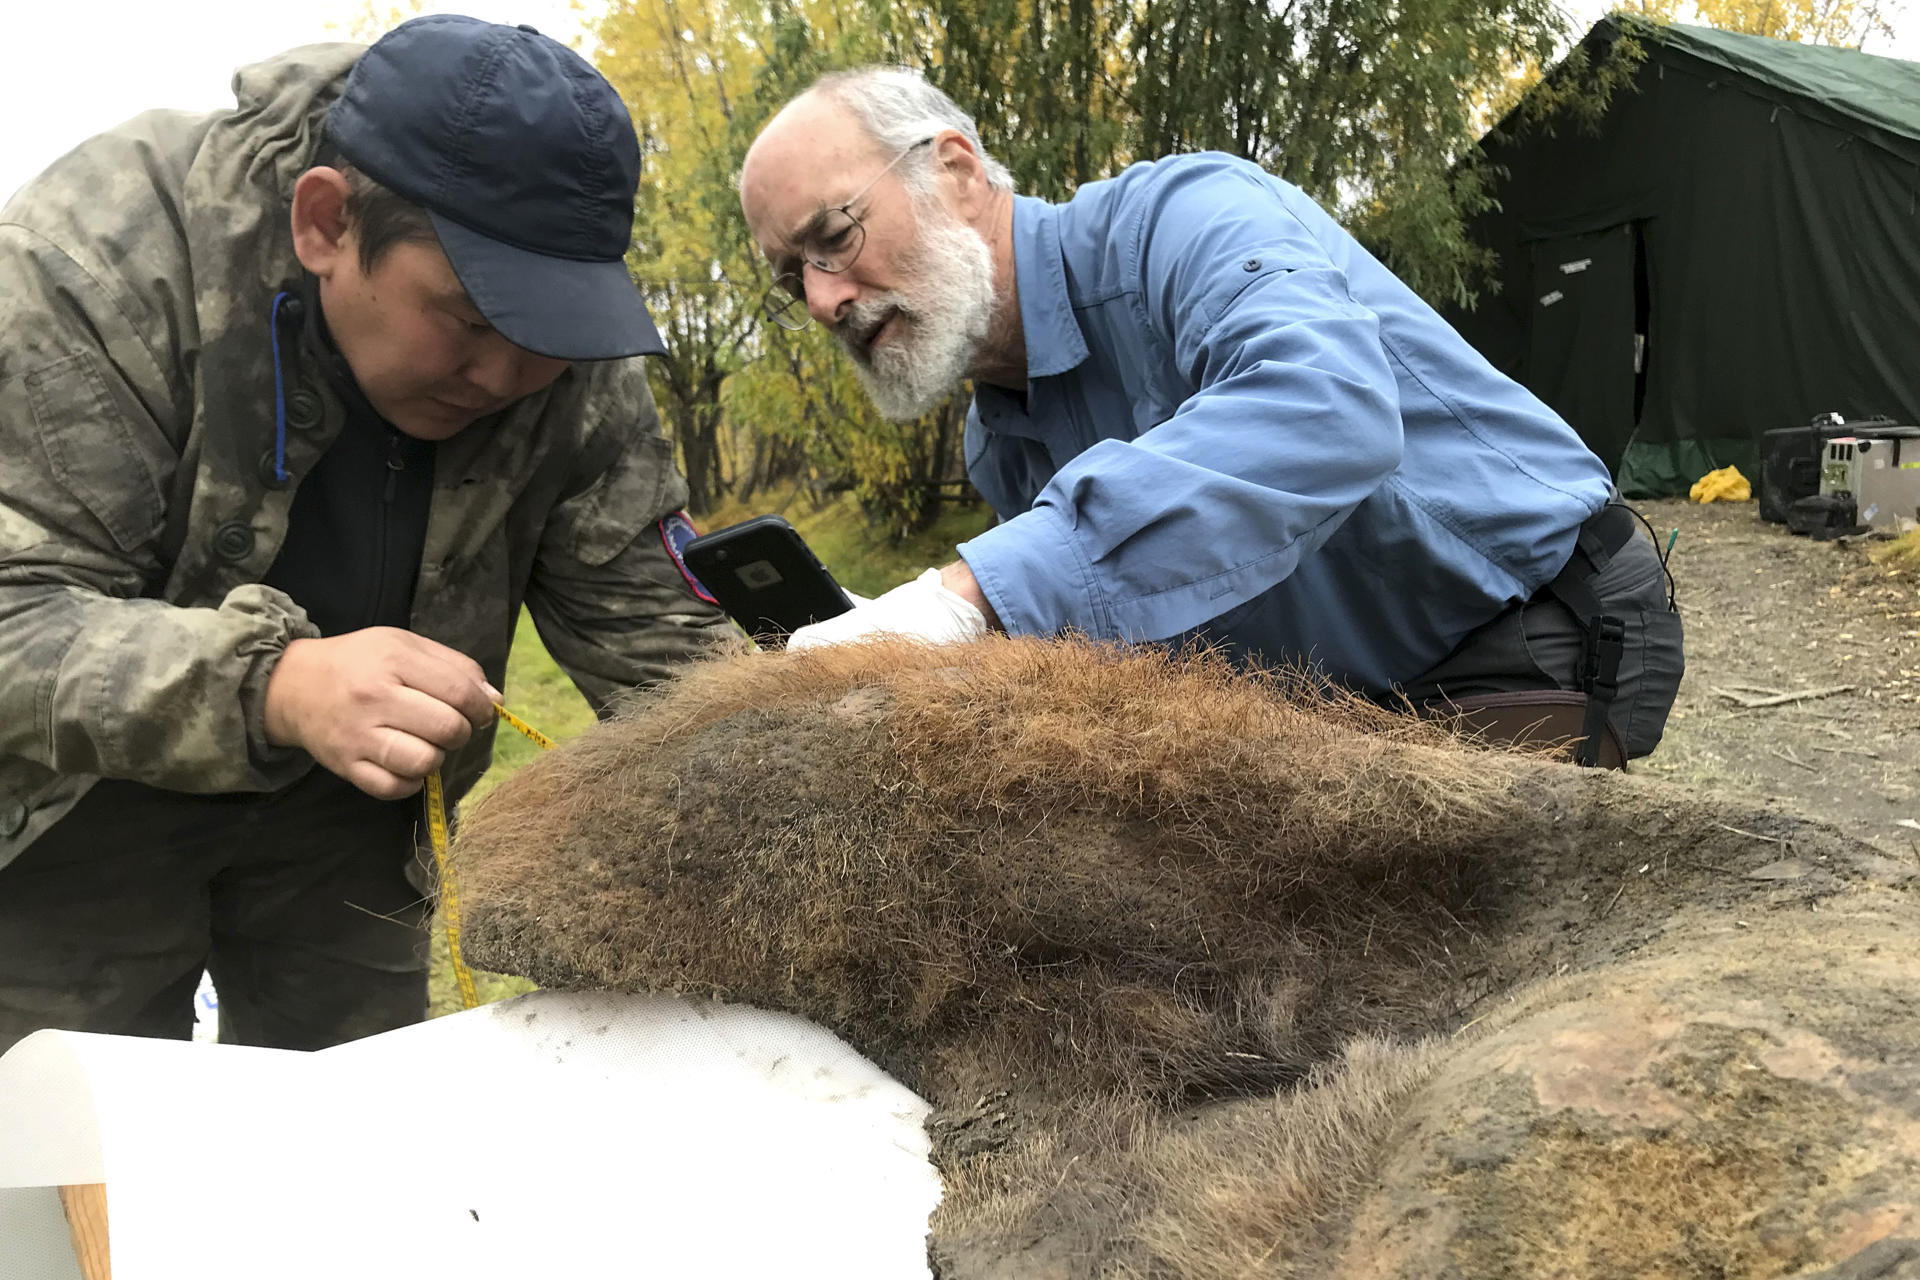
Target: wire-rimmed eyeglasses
{"x":830,"y":242}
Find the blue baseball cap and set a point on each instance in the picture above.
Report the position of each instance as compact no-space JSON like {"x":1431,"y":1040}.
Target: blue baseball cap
{"x":524,"y":157}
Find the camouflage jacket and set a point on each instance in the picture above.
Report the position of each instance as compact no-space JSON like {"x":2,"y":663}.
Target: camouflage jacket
{"x":137,"y":405}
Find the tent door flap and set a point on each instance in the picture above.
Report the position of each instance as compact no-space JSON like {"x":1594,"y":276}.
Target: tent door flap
{"x":1587,"y":333}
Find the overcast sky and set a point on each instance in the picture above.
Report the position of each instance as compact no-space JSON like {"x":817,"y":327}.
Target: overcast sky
{"x":66,"y":74}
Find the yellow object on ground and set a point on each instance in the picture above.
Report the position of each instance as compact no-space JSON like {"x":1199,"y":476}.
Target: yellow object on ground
{"x":1724,"y":485}
{"x":1902,"y":553}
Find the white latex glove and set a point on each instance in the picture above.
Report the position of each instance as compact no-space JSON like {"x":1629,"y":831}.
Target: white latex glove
{"x":921,"y":609}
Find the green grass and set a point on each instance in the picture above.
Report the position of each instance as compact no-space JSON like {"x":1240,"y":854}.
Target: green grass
{"x":859,"y":557}
{"x":540,"y":693}
{"x":866,"y":563}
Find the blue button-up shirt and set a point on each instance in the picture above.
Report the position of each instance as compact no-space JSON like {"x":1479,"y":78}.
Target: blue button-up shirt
{"x":1239,"y":427}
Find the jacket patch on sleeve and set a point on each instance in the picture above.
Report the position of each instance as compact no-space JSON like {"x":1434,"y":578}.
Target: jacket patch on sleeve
{"x":676,"y":531}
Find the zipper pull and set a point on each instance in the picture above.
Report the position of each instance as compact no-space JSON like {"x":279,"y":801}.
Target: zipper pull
{"x":396,"y":463}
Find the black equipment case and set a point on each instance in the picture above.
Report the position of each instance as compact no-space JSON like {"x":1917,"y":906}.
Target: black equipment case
{"x":1790,"y":459}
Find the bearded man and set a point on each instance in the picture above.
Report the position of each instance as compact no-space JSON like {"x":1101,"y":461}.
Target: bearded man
{"x":1205,"y":414}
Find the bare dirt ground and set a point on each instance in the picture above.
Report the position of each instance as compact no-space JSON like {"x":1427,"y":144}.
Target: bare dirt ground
{"x":1769,"y":614}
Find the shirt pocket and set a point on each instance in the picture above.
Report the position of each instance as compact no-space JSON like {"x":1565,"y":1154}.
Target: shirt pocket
{"x":92,"y":450}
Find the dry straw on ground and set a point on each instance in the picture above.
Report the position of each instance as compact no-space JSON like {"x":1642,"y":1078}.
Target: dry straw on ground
{"x":1181,"y":955}
{"x":1903,"y":553}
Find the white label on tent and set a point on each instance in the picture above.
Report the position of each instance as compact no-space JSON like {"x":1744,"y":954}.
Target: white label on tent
{"x":1548,"y":299}
{"x":1578,"y":264}
{"x":206,"y":1011}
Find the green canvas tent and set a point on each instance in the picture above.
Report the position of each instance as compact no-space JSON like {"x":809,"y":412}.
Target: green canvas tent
{"x":1736,"y":248}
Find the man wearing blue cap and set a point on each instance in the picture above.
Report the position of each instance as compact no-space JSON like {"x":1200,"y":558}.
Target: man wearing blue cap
{"x":299,"y":404}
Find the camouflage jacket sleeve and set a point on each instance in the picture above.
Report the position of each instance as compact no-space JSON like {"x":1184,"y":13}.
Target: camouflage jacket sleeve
{"x":96,"y":675}
{"x":612,"y":606}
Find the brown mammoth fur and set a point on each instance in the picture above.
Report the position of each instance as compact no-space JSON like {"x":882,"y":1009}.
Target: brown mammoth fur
{"x":1203,"y":970}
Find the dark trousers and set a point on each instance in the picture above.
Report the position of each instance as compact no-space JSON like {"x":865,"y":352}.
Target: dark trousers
{"x":296,"y":902}
{"x":1538,"y":644}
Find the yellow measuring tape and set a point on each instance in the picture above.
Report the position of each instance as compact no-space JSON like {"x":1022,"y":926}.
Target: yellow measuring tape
{"x":449,"y":892}
{"x":538,"y":738}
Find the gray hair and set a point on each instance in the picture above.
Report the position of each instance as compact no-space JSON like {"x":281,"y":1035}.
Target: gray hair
{"x":898,"y":108}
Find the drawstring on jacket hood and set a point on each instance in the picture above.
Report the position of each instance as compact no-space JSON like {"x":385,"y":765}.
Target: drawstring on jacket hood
{"x":279,"y":388}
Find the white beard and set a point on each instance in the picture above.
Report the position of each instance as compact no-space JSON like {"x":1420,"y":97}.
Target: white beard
{"x":945,"y":313}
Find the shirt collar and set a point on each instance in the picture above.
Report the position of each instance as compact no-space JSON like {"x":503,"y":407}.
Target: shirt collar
{"x":317,"y":338}
{"x":1054,"y":341}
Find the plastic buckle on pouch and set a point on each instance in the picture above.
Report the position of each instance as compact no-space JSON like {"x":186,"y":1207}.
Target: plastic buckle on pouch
{"x":1606,"y":645}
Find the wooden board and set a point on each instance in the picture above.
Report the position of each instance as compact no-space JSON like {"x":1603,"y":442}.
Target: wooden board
{"x":86,"y":1208}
